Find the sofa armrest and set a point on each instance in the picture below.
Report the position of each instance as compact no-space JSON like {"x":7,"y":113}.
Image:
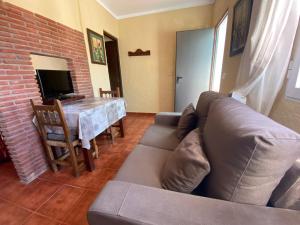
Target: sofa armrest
{"x":131,"y":204}
{"x":167,"y":118}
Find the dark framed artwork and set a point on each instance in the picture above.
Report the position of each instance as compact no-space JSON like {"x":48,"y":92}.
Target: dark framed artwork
{"x":240,"y":26}
{"x":97,"y":49}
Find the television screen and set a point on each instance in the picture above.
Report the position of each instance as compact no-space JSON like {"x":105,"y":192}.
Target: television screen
{"x":54,"y":83}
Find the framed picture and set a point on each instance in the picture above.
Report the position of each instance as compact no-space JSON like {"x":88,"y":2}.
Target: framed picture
{"x":240,"y":26}
{"x":97,"y":49}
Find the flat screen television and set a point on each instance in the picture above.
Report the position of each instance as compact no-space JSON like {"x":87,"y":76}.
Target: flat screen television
{"x":54,"y":83}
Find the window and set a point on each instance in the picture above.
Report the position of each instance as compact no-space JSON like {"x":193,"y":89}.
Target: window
{"x":219,"y":46}
{"x":298,"y":79}
{"x":293,"y":86}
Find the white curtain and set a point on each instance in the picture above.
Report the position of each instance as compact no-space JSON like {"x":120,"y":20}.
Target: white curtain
{"x":267,"y":52}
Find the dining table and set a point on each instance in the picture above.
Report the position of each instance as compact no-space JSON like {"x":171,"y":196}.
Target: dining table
{"x":89,"y":117}
{"x":92,"y":116}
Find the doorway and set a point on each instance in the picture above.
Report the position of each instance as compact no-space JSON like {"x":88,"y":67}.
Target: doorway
{"x":113,"y":61}
{"x":194,"y":50}
{"x":219,"y":47}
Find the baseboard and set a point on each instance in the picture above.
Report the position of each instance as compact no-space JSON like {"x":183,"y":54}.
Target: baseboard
{"x":140,"y":114}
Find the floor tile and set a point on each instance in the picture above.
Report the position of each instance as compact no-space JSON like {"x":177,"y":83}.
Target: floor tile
{"x":11,"y":188}
{"x":35,"y":219}
{"x":60,"y":198}
{"x":10,"y":214}
{"x":61,"y":203}
{"x":78,"y":215}
{"x":33,"y":196}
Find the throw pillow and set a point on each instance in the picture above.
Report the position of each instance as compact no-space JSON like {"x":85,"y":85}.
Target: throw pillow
{"x":187,"y":166}
{"x":287,"y":193}
{"x":187,"y":122}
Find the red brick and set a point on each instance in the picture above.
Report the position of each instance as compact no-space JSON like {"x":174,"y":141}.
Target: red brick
{"x":13,"y":21}
{"x":6,"y":45}
{"x":17,"y":62}
{"x":3,"y":23}
{"x":10,"y":77}
{"x":26,"y":68}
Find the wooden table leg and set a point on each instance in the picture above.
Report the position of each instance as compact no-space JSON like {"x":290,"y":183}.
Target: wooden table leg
{"x":95,"y":147}
{"x":88,"y":159}
{"x":122,"y":127}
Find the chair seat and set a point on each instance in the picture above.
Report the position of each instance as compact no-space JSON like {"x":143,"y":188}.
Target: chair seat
{"x":61,"y":137}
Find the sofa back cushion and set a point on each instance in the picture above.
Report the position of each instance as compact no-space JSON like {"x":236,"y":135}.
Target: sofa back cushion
{"x":248,"y":153}
{"x":187,"y":165}
{"x":287,"y":193}
{"x":205,"y":99}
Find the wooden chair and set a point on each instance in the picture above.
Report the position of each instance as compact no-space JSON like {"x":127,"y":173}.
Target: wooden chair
{"x":110,"y":94}
{"x":119,"y":125}
{"x":52,"y":116}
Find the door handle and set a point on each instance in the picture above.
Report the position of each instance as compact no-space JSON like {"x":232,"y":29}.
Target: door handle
{"x":178,"y":79}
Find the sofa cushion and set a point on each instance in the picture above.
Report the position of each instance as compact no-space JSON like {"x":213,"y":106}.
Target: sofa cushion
{"x":167,"y":118}
{"x":248,"y":152}
{"x":287,"y":193}
{"x":161,"y":137}
{"x":143,"y":166}
{"x":187,"y":166}
{"x":187,"y":122}
{"x":205,"y":99}
{"x":121,"y":203}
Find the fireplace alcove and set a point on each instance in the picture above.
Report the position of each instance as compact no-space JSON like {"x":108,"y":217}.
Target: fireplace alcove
{"x":24,"y":33}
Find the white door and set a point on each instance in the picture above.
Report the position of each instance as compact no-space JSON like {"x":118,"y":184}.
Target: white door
{"x":193,"y":65}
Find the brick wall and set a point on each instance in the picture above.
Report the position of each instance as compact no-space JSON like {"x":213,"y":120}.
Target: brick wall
{"x":21,"y":34}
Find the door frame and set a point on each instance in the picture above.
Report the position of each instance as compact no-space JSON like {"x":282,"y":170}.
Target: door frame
{"x":105,"y":33}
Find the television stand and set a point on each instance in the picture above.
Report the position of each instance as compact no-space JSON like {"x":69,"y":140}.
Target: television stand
{"x":64,"y":99}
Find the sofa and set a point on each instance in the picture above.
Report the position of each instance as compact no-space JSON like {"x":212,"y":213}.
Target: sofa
{"x":135,"y":195}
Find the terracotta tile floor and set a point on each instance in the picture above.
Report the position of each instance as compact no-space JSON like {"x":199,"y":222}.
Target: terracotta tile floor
{"x":60,"y":198}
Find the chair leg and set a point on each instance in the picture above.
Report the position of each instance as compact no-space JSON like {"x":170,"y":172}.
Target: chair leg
{"x":74,"y":160}
{"x":51,"y":158}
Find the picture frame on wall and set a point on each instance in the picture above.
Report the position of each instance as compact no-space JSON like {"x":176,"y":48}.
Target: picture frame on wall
{"x":97,"y":48}
{"x":240,"y":26}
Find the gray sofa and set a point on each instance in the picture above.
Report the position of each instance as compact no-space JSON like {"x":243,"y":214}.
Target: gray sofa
{"x":135,"y":196}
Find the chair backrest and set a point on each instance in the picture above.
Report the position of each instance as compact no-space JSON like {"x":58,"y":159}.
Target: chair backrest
{"x":50,"y":116}
{"x":110,"y":94}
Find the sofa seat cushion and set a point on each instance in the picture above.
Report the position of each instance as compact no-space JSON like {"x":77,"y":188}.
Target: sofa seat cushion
{"x":160,"y":137}
{"x":248,"y":152}
{"x":143,"y":166}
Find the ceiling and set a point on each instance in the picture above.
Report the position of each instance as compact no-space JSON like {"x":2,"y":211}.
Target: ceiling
{"x":121,"y":9}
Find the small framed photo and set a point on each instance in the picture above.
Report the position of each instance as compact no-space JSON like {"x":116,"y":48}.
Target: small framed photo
{"x":97,"y":48}
{"x":240,"y":26}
